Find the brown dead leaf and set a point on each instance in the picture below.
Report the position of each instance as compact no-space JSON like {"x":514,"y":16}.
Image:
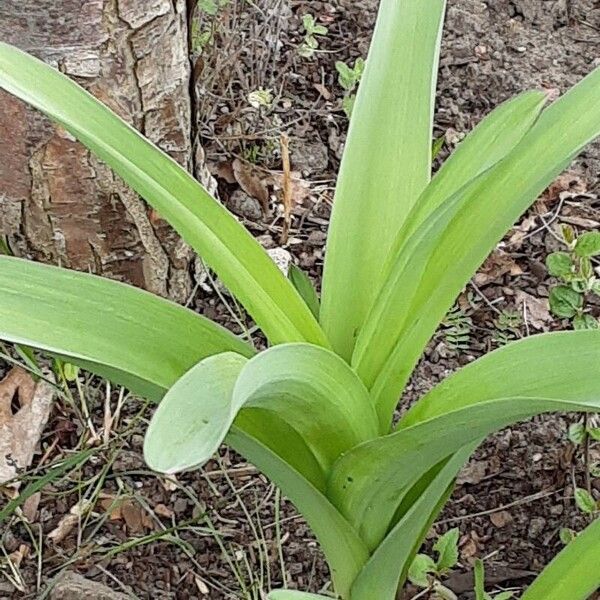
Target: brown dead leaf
{"x":202,"y":587}
{"x":536,"y":310}
{"x":163,"y":511}
{"x":468,"y":546}
{"x":580,"y":222}
{"x":16,"y":557}
{"x":569,"y":184}
{"x":135,"y":517}
{"x":69,"y":521}
{"x":300,"y":188}
{"x":30,"y":507}
{"x":223,"y":170}
{"x":521,"y":231}
{"x":24,"y":411}
{"x":323,"y":91}
{"x":252,"y":181}
{"x":498,"y":264}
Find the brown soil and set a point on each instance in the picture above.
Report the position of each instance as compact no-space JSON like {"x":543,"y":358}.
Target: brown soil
{"x":216,"y":533}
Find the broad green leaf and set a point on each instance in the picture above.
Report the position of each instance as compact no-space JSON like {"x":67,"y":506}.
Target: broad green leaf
{"x":422,"y":566}
{"x":588,"y":244}
{"x":565,"y":301}
{"x":195,"y":415}
{"x":224,"y":244}
{"x":388,"y":565}
{"x":344,"y":550}
{"x":560,"y":264}
{"x":313,"y":391}
{"x":489,"y":142}
{"x":130,"y":336}
{"x":386,"y":163}
{"x":574,"y":573}
{"x":551,"y":372}
{"x":439,"y":258}
{"x":305,"y":288}
{"x":447,"y":549}
{"x":585,"y":501}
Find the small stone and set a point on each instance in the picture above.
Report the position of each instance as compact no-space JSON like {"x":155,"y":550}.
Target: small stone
{"x":536,"y":527}
{"x":309,"y":157}
{"x":180,"y":506}
{"x":244,"y":205}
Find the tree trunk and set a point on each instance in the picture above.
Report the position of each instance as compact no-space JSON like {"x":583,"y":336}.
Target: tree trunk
{"x":58,"y":203}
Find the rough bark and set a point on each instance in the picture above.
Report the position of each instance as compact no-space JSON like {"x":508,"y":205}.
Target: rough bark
{"x":58,"y":203}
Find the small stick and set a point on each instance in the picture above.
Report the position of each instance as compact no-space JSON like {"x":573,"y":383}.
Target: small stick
{"x":287,"y":188}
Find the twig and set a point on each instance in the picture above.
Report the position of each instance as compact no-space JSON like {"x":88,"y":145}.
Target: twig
{"x":287,"y":188}
{"x":526,"y":500}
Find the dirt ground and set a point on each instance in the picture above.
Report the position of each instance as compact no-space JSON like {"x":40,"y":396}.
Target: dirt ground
{"x":225,"y":532}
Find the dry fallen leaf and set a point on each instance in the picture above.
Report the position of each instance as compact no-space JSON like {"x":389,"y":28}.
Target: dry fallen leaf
{"x":300,"y":188}
{"x":252,"y":181}
{"x":521,"y":231}
{"x":135,"y":517}
{"x":164,"y":511}
{"x":69,"y":521}
{"x":30,"y":507}
{"x":202,"y":587}
{"x":24,"y":411}
{"x":536,"y":310}
{"x":498,"y":264}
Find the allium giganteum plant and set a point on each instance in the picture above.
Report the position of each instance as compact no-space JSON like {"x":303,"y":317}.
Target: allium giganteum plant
{"x":314,"y":411}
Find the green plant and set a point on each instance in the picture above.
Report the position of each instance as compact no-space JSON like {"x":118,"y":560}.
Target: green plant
{"x":425,"y":572}
{"x":312,"y":29}
{"x":574,"y":268}
{"x":349,"y":78}
{"x":508,"y":327}
{"x":480,"y":593}
{"x":456,"y":329}
{"x":314,"y":412}
{"x":201,"y":35}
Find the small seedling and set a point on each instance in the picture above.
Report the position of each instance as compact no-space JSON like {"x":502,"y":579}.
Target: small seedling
{"x":261,"y":98}
{"x":574,"y":269}
{"x":480,"y":593}
{"x":203,"y":35}
{"x":457,"y":331}
{"x":349,"y":78}
{"x":425,"y":572}
{"x":508,"y":327}
{"x":566,"y":535}
{"x":212,"y":7}
{"x":312,"y":29}
{"x":586,"y":503}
